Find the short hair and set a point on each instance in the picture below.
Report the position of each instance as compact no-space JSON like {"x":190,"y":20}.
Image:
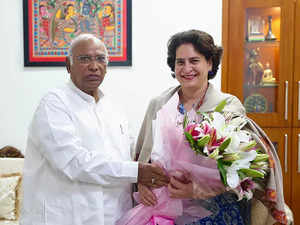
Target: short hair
{"x":84,"y":37}
{"x":203,"y":44}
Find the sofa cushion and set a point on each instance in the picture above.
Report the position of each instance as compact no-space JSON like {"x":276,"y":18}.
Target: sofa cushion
{"x":13,"y":166}
{"x":9,"y":201}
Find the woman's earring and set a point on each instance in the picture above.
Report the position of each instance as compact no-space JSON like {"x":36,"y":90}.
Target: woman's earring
{"x":210,"y":73}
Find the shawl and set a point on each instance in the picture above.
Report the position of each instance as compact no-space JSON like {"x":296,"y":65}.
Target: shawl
{"x":267,"y":204}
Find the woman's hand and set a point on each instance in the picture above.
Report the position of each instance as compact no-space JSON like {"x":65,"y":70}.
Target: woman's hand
{"x":178,"y":189}
{"x":202,"y":191}
{"x":192,"y":190}
{"x":147,"y":197}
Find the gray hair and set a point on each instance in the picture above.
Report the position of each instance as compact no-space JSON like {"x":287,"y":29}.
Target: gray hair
{"x":84,"y":37}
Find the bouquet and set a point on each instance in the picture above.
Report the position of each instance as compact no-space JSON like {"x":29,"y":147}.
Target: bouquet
{"x":242,"y":165}
{"x":173,"y":153}
{"x":214,"y":138}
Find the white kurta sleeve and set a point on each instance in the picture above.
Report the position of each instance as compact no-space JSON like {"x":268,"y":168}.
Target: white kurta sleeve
{"x":55,"y":135}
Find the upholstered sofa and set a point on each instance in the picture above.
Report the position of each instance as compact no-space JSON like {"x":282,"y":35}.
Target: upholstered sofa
{"x":10,"y":190}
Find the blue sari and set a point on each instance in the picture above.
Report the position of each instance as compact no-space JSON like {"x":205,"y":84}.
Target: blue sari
{"x":226,"y":211}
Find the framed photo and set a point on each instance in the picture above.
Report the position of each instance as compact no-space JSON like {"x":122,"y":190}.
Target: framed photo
{"x":50,"y":26}
{"x":256,"y":29}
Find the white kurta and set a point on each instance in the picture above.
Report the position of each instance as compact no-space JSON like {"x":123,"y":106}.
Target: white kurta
{"x":78,"y":167}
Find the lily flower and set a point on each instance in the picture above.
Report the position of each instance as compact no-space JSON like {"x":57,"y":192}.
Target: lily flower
{"x":245,"y":189}
{"x":233,"y":179}
{"x":198,"y":130}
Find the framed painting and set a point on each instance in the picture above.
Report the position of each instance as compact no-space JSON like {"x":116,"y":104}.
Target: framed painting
{"x":50,"y":26}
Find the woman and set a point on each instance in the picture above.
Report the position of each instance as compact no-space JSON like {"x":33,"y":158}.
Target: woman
{"x":194,"y":59}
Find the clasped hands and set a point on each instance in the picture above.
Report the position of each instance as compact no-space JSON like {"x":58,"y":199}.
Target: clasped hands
{"x":179,"y":185}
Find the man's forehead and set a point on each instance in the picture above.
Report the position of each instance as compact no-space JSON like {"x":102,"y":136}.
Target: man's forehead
{"x":88,"y":46}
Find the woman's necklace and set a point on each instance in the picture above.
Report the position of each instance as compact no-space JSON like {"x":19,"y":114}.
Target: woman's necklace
{"x":181,"y":108}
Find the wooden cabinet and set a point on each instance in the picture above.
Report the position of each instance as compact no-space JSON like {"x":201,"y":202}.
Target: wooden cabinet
{"x":248,"y":54}
{"x":295,"y":192}
{"x":282,"y":140}
{"x":261,"y":66}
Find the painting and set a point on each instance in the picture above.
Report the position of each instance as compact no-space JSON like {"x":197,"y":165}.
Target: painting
{"x":50,"y":26}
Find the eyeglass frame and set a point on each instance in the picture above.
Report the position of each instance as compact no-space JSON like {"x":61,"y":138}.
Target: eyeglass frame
{"x":91,"y":58}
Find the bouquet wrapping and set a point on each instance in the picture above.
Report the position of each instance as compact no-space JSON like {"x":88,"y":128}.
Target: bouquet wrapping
{"x":174,"y":154}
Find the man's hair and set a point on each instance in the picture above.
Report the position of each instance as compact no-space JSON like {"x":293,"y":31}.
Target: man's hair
{"x":84,"y":37}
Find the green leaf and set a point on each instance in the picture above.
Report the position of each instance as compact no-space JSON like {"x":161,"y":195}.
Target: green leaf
{"x":241,"y":175}
{"x":190,"y":139}
{"x":225,"y":144}
{"x":220,"y":106}
{"x":226,"y":163}
{"x":203,"y":141}
{"x":199,"y":150}
{"x":252,"y":172}
{"x":222,"y":171}
{"x":185,"y":121}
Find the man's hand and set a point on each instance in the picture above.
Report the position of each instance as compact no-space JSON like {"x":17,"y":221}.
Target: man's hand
{"x":152,"y":175}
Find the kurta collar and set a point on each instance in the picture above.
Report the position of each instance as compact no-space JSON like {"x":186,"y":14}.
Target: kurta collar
{"x":84,"y":95}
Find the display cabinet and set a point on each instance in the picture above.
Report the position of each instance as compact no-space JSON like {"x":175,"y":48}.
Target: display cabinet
{"x":261,"y":67}
{"x":258,"y":41}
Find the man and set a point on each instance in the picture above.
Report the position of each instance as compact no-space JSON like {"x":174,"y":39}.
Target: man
{"x":78,"y":167}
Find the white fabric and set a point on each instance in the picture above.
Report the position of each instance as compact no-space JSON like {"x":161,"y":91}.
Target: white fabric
{"x":77,"y":167}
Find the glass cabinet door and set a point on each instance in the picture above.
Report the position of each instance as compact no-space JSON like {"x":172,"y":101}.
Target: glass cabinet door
{"x":296,"y":90}
{"x":260,"y":59}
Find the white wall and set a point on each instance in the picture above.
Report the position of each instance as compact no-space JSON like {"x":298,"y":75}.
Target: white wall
{"x":154,"y":21}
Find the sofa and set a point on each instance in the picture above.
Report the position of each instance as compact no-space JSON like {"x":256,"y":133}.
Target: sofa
{"x":10,"y":190}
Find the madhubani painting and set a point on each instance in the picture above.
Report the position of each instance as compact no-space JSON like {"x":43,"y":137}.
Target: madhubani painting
{"x":50,"y":26}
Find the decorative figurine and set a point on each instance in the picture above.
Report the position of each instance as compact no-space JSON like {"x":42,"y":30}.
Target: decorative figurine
{"x":268,"y":75}
{"x":270,"y":36}
{"x":255,"y":68}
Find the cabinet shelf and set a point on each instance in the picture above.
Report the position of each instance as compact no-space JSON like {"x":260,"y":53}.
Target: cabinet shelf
{"x":271,"y":85}
{"x":262,"y":43}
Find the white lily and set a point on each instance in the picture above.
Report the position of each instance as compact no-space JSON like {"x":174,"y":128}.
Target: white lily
{"x":220,"y":125}
{"x":230,"y":129}
{"x":244,"y":162}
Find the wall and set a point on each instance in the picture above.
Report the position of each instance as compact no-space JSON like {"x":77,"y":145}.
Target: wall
{"x":154,"y":21}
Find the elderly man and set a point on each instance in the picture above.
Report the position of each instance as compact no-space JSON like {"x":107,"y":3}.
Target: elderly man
{"x":78,"y":169}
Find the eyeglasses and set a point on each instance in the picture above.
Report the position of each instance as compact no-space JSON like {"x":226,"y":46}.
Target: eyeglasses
{"x":86,"y":59}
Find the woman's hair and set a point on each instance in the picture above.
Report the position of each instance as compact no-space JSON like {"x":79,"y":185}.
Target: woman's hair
{"x":203,"y":44}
